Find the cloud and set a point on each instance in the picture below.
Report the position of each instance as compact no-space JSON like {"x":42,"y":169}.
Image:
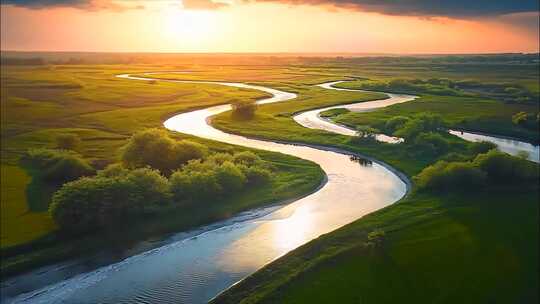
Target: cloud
{"x":446,"y":8}
{"x":528,"y":22}
{"x":117,"y":5}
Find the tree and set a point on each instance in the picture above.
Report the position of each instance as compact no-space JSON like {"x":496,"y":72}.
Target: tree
{"x":451,"y":176}
{"x":154,"y":148}
{"x":244,"y":110}
{"x":431,"y":143}
{"x":395,"y":123}
{"x":105,"y":201}
{"x":421,"y":123}
{"x":230,"y":177}
{"x":56,"y":165}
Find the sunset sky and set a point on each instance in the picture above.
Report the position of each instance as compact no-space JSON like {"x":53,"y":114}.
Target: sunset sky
{"x":353,"y":26}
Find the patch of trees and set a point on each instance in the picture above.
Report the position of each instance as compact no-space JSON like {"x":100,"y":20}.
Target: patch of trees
{"x":156,"y":173}
{"x":56,"y":165}
{"x":156,"y":149}
{"x":492,"y":168}
{"x":526,"y":120}
{"x":219,"y":175}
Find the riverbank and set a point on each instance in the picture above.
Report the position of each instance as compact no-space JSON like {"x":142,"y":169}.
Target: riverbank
{"x":483,"y":245}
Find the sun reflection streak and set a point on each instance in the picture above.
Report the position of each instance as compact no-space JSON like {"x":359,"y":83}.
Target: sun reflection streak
{"x":290,"y":232}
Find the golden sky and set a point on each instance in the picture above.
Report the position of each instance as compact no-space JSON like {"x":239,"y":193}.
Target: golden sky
{"x":260,"y":26}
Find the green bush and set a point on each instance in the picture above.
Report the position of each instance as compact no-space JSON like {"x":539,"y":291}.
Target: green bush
{"x":154,"y":148}
{"x":454,"y":176}
{"x":421,"y":123}
{"x":395,"y":123}
{"x":247,"y":158}
{"x":56,"y":165}
{"x":230,"y":177}
{"x":431,"y":143}
{"x":491,"y":168}
{"x":97,"y":202}
{"x":481,"y":147}
{"x":68,"y":142}
{"x":257,"y":175}
{"x":505,"y":169}
{"x":219,"y":174}
{"x":186,"y":185}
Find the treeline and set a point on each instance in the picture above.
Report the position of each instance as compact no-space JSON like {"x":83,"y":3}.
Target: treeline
{"x":22,"y":61}
{"x":512,"y":93}
{"x":156,"y":173}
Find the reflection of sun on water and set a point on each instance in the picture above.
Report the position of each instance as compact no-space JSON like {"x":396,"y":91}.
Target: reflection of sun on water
{"x":289,"y":233}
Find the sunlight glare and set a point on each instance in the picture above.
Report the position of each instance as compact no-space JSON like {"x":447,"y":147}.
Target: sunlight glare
{"x":194,"y":26}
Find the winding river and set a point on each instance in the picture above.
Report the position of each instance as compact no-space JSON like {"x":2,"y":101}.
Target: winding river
{"x":195,"y":266}
{"x":312,"y":119}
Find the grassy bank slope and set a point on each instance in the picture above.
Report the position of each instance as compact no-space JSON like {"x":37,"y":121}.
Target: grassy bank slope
{"x":479,"y":248}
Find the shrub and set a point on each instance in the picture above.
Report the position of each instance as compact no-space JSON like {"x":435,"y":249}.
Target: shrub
{"x":57,"y":165}
{"x":257,"y":175}
{"x":482,"y":147}
{"x":505,"y":169}
{"x":230,"y":177}
{"x":90,"y":203}
{"x":68,"y":142}
{"x":247,"y":158}
{"x":187,"y":185}
{"x":395,"y":123}
{"x":220,"y":158}
{"x":453,"y":176}
{"x":149,"y":187}
{"x":243,"y":110}
{"x":431,"y":143}
{"x":421,"y":123}
{"x":366,"y":132}
{"x":96,"y":202}
{"x":219,"y":174}
{"x":154,"y":148}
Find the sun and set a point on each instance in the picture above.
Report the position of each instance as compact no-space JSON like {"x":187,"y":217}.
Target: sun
{"x":194,"y":26}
